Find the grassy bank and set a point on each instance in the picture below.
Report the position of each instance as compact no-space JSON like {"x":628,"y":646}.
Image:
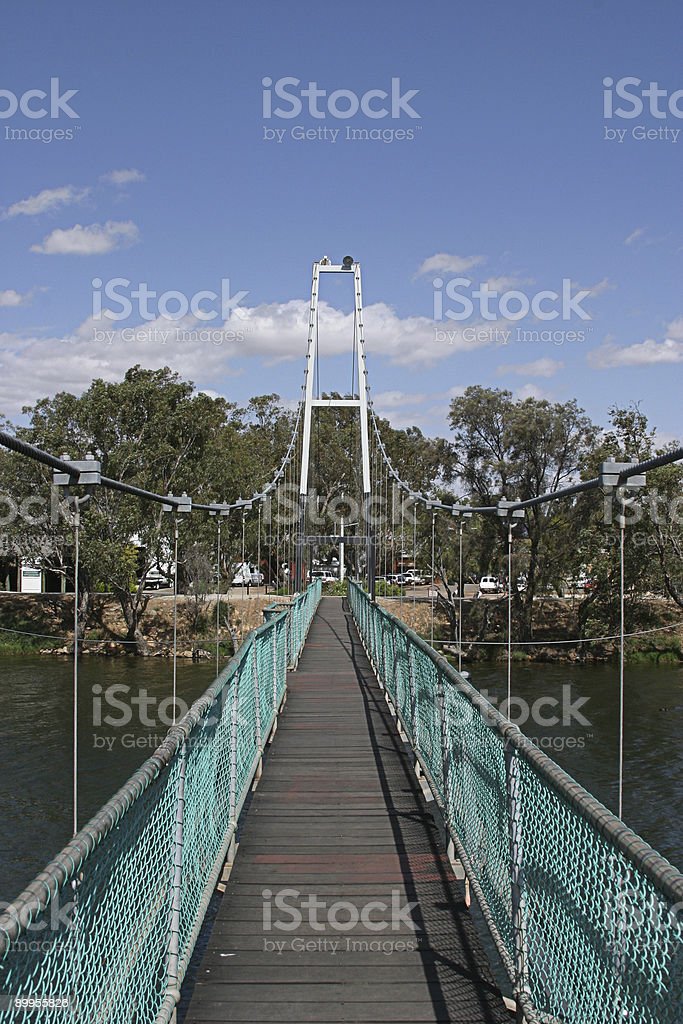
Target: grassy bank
{"x":485,"y":633}
{"x":43,"y":624}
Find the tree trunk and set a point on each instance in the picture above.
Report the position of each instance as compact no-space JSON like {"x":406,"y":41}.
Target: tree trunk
{"x":133,"y":608}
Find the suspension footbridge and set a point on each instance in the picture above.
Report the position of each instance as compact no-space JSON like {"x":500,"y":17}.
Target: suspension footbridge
{"x":342,"y":828}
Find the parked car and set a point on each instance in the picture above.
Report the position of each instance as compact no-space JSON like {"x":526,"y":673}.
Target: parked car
{"x":324,"y":575}
{"x":156,"y":580}
{"x":243,"y":575}
{"x":490,"y":585}
{"x":413,"y":578}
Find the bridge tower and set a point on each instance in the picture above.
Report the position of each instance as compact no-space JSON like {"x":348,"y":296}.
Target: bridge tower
{"x":352,"y":270}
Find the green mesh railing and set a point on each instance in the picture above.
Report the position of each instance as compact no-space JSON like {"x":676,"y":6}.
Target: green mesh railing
{"x":587,"y":918}
{"x":106,"y":932}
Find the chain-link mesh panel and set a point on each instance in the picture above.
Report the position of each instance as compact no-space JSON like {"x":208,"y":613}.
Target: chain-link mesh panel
{"x":105,"y":933}
{"x":105,"y":926}
{"x":587,"y":903}
{"x":477,"y":805}
{"x":587,"y":918}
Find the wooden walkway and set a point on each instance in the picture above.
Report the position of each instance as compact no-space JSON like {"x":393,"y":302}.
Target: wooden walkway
{"x":339,"y":815}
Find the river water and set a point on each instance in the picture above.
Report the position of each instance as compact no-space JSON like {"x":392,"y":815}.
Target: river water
{"x":36,"y":724}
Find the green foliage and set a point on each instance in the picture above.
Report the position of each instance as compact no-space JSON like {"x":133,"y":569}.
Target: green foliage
{"x":154,"y":430}
{"x":336,"y":589}
{"x":384,"y":589}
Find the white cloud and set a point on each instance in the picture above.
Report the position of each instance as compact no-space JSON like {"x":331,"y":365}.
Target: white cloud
{"x":10,"y":297}
{"x":123,"y":177}
{"x":396,"y":400}
{"x":31,"y":367}
{"x":448,"y":263}
{"x":502,"y":284}
{"x":675,"y":329}
{"x":48,"y":199}
{"x":89,"y":240}
{"x":532,"y":391}
{"x":642,"y":353}
{"x":538,"y":368}
{"x":602,"y":286}
{"x":634,"y":236}
{"x":276,"y":330}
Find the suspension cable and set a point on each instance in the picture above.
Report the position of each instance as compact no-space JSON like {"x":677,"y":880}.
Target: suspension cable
{"x":622,"y":531}
{"x":175,"y":611}
{"x":77,"y":529}
{"x":665,"y":459}
{"x":218,"y":590}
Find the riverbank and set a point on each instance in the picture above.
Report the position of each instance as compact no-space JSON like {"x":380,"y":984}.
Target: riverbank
{"x":485,"y":633}
{"x":43,"y":624}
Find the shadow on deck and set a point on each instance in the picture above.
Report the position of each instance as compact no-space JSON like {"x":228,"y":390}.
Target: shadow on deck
{"x":339,"y":816}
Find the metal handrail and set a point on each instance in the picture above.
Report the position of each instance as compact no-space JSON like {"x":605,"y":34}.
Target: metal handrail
{"x":528,"y":788}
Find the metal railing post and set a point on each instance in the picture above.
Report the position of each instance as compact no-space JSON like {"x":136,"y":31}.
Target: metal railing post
{"x":257,"y":704}
{"x":276,"y":626}
{"x":413,"y":692}
{"x":513,"y":788}
{"x":173,"y":973}
{"x":234,"y":721}
{"x":445,"y":742}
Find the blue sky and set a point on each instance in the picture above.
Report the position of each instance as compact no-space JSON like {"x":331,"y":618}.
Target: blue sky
{"x":508,"y":179}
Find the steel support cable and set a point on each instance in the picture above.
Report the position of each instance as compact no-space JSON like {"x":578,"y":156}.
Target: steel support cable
{"x":258,"y":552}
{"x":77,"y":530}
{"x":218,"y":590}
{"x":63,"y":466}
{"x":474,"y":643}
{"x":622,"y":531}
{"x":460,"y":597}
{"x":676,"y":455}
{"x":175,"y":612}
{"x":414,"y":547}
{"x":433,"y":587}
{"x":509,"y":609}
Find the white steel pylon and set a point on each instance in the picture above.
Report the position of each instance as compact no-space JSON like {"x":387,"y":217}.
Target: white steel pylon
{"x":351,"y":269}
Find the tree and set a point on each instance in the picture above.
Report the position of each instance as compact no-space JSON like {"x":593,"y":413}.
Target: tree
{"x":504,"y":448}
{"x":151,"y":430}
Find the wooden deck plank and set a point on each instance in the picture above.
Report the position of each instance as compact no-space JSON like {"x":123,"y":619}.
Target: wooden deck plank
{"x":338,"y":815}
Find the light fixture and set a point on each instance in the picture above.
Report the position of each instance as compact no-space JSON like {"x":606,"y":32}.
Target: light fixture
{"x":347,"y":263}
